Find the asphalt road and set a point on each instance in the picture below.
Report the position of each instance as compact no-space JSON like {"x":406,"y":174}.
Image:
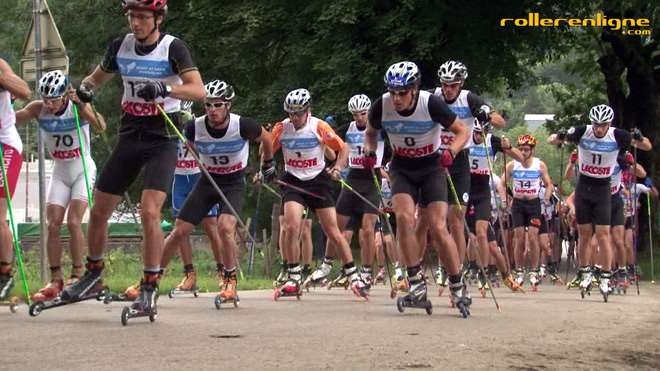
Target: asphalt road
{"x":326,"y":330}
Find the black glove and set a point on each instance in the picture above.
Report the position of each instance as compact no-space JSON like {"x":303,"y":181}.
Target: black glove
{"x":483,"y":115}
{"x":268,"y":170}
{"x":150,"y":90}
{"x":561,"y":134}
{"x":84,"y":94}
{"x":637,"y":135}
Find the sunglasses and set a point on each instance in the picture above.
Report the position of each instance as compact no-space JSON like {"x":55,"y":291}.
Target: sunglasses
{"x":216,"y":105}
{"x":399,"y":93}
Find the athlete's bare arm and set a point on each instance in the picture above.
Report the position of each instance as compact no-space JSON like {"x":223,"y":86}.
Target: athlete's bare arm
{"x":461,"y":136}
{"x":549,"y":187}
{"x":192,"y":87}
{"x":12,"y":83}
{"x":31,"y":111}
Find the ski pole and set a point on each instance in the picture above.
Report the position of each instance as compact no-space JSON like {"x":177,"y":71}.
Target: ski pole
{"x":634,"y":195}
{"x":205,"y":171}
{"x":460,"y":209}
{"x":81,"y":144}
{"x":389,"y":229}
{"x":298,"y":189}
{"x":253,"y":231}
{"x":271,"y":190}
{"x":16,"y":243}
{"x":648,"y":208}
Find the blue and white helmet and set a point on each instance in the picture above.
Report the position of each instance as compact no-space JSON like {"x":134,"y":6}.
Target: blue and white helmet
{"x":53,"y":84}
{"x":359,"y":103}
{"x":402,"y":75}
{"x":452,"y":71}
{"x":601,"y":114}
{"x":297,"y":101}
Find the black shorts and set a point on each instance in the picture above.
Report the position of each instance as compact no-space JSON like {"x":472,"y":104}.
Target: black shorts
{"x":547,"y":226}
{"x":482,"y":207}
{"x":426,"y":184}
{"x":616,"y":217}
{"x":349,"y":203}
{"x":460,"y":176}
{"x":204,"y":197}
{"x":593,"y":203}
{"x":154,"y":156}
{"x":629,"y":223}
{"x":526,"y":213}
{"x":354,"y":223}
{"x":321,"y":185}
{"x":471,"y":220}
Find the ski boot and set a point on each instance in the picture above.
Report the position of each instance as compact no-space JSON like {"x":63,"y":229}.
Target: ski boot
{"x":339,"y":281}
{"x":6,"y":285}
{"x":482,"y":284}
{"x":399,"y":283}
{"x":282,"y":277}
{"x":542,"y":273}
{"x":441,"y":279}
{"x":520,"y":276}
{"x":534,"y":280}
{"x":604,"y":284}
{"x":586,"y":281}
{"x":292,"y":286}
{"x":228,"y":292}
{"x":622,"y":281}
{"x":319,"y":277}
{"x":471,"y":273}
{"x":145,"y":304}
{"x":575,"y":282}
{"x":416,"y":297}
{"x":358,"y":285}
{"x":89,"y":286}
{"x":511,"y":284}
{"x":50,"y":292}
{"x":130,"y":294}
{"x":552,"y":273}
{"x":460,"y":297}
{"x":366,"y":277}
{"x":491,"y":274}
{"x":380,"y":277}
{"x":187,"y":285}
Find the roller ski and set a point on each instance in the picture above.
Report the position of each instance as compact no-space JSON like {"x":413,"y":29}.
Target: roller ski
{"x":339,"y":281}
{"x":359,"y":285}
{"x":188,"y":285}
{"x":534,"y":280}
{"x":89,"y":286}
{"x":292,"y":286}
{"x":441,"y":279}
{"x":491,"y":274}
{"x":574,"y":283}
{"x":380,"y":277}
{"x":483,"y":285}
{"x":586,"y":281}
{"x":604,"y":285}
{"x":552,"y":274}
{"x":471,"y":274}
{"x":512,"y":284}
{"x":460,"y":298}
{"x":622,"y":281}
{"x":228,"y":293}
{"x":281,"y":279}
{"x":416,"y":297}
{"x":130,"y":294}
{"x":145,"y":304}
{"x":6,"y":285}
{"x":319,"y":276}
{"x":542,"y":273}
{"x":520,"y":277}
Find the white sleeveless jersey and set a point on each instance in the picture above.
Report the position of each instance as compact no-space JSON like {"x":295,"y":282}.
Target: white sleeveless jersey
{"x":136,"y":69}
{"x":60,"y":135}
{"x":415,"y":135}
{"x":185,"y":162}
{"x":597,"y":156}
{"x":225,"y":155}
{"x":355,"y":141}
{"x":386,"y":190}
{"x":462,"y":110}
{"x":303,"y":150}
{"x":8,"y":133}
{"x":526,"y":180}
{"x":616,"y":179}
{"x":478,"y":160}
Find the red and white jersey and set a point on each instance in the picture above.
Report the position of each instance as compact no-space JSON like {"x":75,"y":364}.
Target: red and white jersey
{"x":8,"y":133}
{"x":60,"y":135}
{"x":411,"y":136}
{"x":526,"y":180}
{"x":597,"y":156}
{"x":462,"y":110}
{"x":355,"y":141}
{"x":136,"y":69}
{"x":479,"y":163}
{"x":225,"y":155}
{"x":185,"y":162}
{"x":303,"y":149}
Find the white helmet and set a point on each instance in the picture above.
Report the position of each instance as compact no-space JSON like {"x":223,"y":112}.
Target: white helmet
{"x":601,"y":114}
{"x":477,"y":127}
{"x":402,"y":75}
{"x":218,"y":89}
{"x":53,"y":84}
{"x":359,"y":103}
{"x":297,"y":101}
{"x":452,"y":71}
{"x":186,"y":105}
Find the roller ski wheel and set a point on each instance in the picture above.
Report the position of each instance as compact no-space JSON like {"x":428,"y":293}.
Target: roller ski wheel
{"x":289,"y":289}
{"x":128,"y":313}
{"x":218,"y":301}
{"x":405,"y":302}
{"x":12,"y":303}
{"x":36,"y":308}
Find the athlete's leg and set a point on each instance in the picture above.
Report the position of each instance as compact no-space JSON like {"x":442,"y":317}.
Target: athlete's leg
{"x":210,"y":225}
{"x":226,"y":231}
{"x":405,"y":220}
{"x":306,"y":242}
{"x":55,"y":218}
{"x":75,"y":214}
{"x":449,"y":251}
{"x":368,"y":237}
{"x":176,"y":238}
{"x":152,"y":202}
{"x":97,"y":231}
{"x":293,"y":212}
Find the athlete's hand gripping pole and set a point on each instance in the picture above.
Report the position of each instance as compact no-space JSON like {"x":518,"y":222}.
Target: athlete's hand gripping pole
{"x":81,"y":145}
{"x":14,"y":235}
{"x":460,"y":209}
{"x":206,"y":173}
